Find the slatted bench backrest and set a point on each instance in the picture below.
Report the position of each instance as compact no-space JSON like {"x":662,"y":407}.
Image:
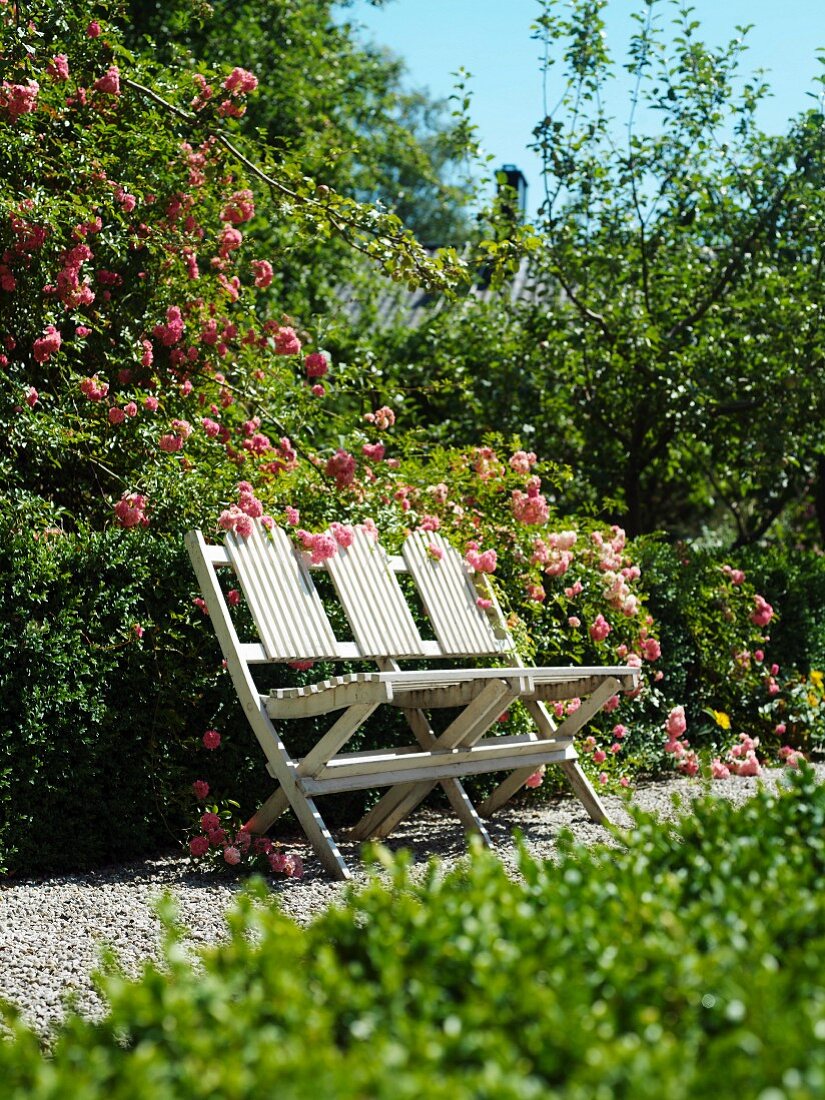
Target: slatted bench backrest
{"x":450,"y":598}
{"x":292,"y":624}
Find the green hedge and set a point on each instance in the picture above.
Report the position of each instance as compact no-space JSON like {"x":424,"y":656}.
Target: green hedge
{"x":689,"y":963}
{"x":98,"y":728}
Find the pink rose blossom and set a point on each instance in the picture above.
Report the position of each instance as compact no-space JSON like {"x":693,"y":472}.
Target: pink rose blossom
{"x":47,"y":345}
{"x":240,"y":82}
{"x":790,"y":757}
{"x":116,"y":415}
{"x":19,"y":99}
{"x":373,"y":451}
{"x":521,"y":461}
{"x":170,"y":333}
{"x":233,"y":597}
{"x":232,"y":855}
{"x":676,"y":724}
{"x":718,"y":770}
{"x":93,"y":388}
{"x":651,"y":650}
{"x":93,"y":29}
{"x":171,"y":443}
{"x":263,"y":273}
{"x":211,"y":739}
{"x":482,"y":562}
{"x":316,"y":364}
{"x":199,"y":846}
{"x":736,"y":575}
{"x":763,"y":613}
{"x":293,"y":516}
{"x":240,"y":208}
{"x":201,"y":789}
{"x":138,"y":629}
{"x":130,"y":510}
{"x":58,"y":67}
{"x":574,"y":621}
{"x":32,"y":397}
{"x":600,"y":628}
{"x":210,"y":821}
{"x":341,"y":467}
{"x":689,"y":764}
{"x":287,"y":342}
{"x":382,"y":418}
{"x":109,"y":83}
{"x":536,"y":779}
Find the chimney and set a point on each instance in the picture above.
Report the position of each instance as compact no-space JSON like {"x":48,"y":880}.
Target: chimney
{"x":512,"y":190}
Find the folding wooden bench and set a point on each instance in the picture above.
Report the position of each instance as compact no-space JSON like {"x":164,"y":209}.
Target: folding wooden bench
{"x":292,"y":625}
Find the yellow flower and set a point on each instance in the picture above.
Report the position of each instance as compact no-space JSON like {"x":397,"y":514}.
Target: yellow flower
{"x":722,"y":719}
{"x":813,"y":700}
{"x":816,"y":678}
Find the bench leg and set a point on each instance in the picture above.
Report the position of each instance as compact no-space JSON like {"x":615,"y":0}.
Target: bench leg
{"x":547,"y":730}
{"x":268,"y":813}
{"x":469,"y":727}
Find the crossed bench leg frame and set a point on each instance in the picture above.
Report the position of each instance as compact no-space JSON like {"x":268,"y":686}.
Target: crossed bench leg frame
{"x":460,"y":750}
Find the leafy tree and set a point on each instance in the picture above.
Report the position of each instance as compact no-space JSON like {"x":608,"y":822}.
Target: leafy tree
{"x":672,"y":349}
{"x":337,"y":104}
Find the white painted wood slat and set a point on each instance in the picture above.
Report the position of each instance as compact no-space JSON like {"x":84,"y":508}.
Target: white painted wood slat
{"x":372,"y":599}
{"x":284,"y":603}
{"x":450,"y":598}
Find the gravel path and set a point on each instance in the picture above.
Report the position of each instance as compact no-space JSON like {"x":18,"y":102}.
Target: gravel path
{"x":51,"y":929}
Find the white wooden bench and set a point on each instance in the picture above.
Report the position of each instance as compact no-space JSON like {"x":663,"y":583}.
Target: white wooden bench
{"x":292,"y":625}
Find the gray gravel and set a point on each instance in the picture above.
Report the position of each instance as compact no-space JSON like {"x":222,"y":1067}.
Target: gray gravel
{"x":51,"y":930}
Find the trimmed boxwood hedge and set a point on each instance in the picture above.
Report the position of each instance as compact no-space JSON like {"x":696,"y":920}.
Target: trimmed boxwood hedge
{"x":690,"y":962}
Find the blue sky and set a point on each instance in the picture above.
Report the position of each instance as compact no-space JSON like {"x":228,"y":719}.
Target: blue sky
{"x":491,"y":38}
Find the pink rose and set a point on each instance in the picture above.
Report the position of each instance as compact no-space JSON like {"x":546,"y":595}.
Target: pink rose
{"x":536,"y":779}
{"x":201,"y":789}
{"x":316,"y":364}
{"x":763,"y":612}
{"x":199,"y":846}
{"x":676,"y":723}
{"x":232,"y":855}
{"x":600,"y":628}
{"x":109,"y":83}
{"x":47,"y":344}
{"x":211,"y":739}
{"x":651,"y":650}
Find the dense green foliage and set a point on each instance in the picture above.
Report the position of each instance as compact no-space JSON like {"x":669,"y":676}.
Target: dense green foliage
{"x":92,"y":703}
{"x":687,"y":963}
{"x":670,"y":348}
